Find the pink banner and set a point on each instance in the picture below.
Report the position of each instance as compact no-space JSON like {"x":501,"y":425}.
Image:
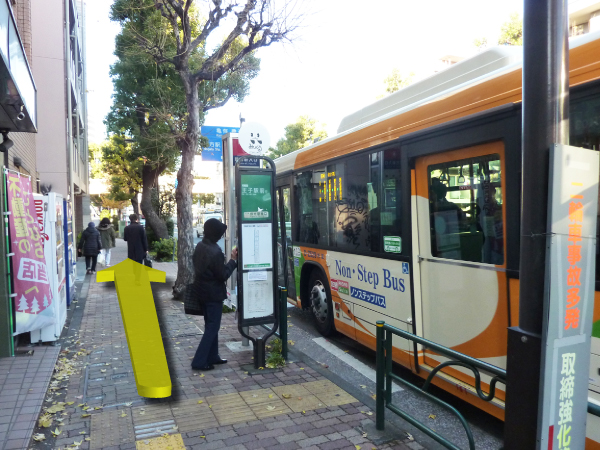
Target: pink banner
{"x":31,"y":283}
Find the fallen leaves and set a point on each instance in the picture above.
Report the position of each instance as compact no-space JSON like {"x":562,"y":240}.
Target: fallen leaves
{"x":286,"y":395}
{"x":39,"y":437}
{"x":431,"y":416}
{"x":123,"y":414}
{"x":270,"y":408}
{"x":45,"y":421}
{"x":200,"y":402}
{"x":363,"y":386}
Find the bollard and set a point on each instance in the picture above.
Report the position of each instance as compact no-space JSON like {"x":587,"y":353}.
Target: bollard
{"x":283,"y":329}
{"x":259,"y":353}
{"x":380,"y":378}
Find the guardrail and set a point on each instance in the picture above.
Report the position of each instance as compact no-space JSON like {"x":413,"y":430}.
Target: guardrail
{"x":385,"y":376}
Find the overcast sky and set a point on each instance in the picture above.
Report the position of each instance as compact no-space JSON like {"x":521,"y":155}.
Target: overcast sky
{"x":337,"y":64}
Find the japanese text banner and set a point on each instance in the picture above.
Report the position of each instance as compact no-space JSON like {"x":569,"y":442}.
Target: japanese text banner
{"x":30,"y":277}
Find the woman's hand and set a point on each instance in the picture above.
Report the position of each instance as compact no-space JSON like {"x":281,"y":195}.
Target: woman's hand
{"x":234,"y":254}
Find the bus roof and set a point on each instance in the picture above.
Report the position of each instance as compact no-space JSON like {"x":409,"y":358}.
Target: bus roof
{"x":445,"y":96}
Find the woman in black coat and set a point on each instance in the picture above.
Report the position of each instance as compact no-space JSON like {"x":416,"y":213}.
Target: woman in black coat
{"x":211,"y":272}
{"x":90,"y":245}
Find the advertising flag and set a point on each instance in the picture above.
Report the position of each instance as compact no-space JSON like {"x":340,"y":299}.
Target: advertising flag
{"x":32,"y":295}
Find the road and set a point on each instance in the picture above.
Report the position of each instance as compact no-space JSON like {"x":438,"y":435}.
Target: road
{"x":353,"y":367}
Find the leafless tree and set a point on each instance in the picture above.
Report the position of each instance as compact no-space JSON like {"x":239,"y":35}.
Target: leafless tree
{"x":246,"y":25}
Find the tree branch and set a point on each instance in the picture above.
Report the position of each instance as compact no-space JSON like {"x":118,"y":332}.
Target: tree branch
{"x":219,"y":104}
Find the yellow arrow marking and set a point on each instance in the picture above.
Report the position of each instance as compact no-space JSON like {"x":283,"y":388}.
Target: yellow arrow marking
{"x":141,"y":325}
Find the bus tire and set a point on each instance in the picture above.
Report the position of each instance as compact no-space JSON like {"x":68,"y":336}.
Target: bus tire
{"x":320,"y":302}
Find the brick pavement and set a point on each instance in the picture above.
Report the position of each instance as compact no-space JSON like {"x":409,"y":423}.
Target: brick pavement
{"x":295,"y":407}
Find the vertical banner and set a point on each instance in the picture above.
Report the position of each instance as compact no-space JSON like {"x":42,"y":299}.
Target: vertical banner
{"x":570,"y":276}
{"x":31,"y":286}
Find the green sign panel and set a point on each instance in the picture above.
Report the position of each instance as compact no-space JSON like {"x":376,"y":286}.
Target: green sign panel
{"x":256,"y":198}
{"x":392,"y":244}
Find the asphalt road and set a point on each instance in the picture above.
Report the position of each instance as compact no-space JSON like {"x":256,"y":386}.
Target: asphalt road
{"x":353,"y":367}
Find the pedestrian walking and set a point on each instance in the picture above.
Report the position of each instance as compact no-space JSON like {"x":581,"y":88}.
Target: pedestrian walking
{"x":210,"y":274}
{"x":107,"y":237}
{"x":90,"y":245}
{"x":135,"y":235}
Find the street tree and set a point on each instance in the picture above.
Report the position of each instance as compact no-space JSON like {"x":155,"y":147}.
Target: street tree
{"x":303,"y":132}
{"x":204,"y":199}
{"x":148,"y":107}
{"x":220,"y":72}
{"x":113,"y":160}
{"x":511,"y":32}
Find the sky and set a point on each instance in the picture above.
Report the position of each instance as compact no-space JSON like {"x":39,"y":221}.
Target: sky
{"x":335,"y":65}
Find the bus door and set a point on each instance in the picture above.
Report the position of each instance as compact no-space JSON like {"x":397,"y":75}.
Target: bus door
{"x":458,"y":197}
{"x":284,"y":241}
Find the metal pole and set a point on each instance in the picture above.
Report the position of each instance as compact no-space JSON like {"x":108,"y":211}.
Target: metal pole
{"x":545,"y":121}
{"x":283,"y":331}
{"x":380,"y":378}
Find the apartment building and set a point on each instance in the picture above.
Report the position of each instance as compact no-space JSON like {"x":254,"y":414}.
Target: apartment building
{"x":58,"y":64}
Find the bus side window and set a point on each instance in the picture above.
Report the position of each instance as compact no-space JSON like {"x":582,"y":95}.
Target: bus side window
{"x":391,"y":205}
{"x":465,"y":204}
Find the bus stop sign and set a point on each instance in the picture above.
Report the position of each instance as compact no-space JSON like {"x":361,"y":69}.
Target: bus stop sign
{"x":257,"y":263}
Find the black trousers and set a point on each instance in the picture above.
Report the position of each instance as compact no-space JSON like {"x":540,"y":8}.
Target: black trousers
{"x":93,"y":259}
{"x":208,"y":350}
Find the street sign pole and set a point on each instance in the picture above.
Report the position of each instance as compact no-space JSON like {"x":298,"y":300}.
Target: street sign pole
{"x":258,"y":300}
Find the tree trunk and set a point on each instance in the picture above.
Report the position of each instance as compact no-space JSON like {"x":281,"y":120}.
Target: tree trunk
{"x":159,"y":227}
{"x":135,"y":204}
{"x":183,"y":193}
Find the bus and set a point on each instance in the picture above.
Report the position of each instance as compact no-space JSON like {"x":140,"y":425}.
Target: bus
{"x":411,"y":214}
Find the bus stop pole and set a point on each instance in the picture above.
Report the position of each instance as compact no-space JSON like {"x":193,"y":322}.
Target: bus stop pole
{"x":545,"y":122}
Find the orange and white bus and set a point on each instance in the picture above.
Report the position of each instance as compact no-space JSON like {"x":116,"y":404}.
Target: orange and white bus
{"x":411,"y":214}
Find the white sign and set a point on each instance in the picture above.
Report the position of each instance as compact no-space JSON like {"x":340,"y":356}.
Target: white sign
{"x":254,"y":139}
{"x":573,"y":203}
{"x":258,"y":296}
{"x":257,"y":246}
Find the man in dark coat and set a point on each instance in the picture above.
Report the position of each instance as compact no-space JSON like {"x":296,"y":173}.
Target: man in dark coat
{"x":211,"y":272}
{"x":137,"y":244}
{"x":90,"y":245}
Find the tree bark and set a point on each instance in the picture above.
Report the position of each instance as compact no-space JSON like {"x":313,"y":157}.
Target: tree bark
{"x":185,"y":182}
{"x":149,"y":176}
{"x":135,"y":204}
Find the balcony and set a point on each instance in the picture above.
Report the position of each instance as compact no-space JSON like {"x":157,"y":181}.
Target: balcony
{"x":18,"y":95}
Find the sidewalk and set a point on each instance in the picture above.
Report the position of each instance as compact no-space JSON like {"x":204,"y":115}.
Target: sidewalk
{"x":97,"y":406}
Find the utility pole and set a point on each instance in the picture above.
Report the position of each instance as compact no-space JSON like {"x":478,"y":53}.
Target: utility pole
{"x":545,"y":122}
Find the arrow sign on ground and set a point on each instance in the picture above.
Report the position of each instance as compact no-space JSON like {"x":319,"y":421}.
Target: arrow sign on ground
{"x":141,"y":325}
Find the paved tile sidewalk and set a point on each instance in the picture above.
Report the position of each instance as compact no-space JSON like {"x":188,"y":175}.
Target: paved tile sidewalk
{"x":293,"y":408}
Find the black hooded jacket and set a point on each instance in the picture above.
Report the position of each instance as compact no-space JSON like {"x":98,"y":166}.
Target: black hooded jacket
{"x":210,"y":269}
{"x":90,"y":243}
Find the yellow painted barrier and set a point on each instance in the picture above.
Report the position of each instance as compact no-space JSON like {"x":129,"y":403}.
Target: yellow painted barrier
{"x":146,"y":349}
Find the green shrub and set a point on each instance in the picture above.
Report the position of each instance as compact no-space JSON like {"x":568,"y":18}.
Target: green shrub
{"x":164,"y":249}
{"x":170,"y":226}
{"x":115,"y":222}
{"x":152,"y":238}
{"x":275,"y":360}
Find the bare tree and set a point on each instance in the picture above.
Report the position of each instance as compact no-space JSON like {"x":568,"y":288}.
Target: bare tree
{"x":248,"y":25}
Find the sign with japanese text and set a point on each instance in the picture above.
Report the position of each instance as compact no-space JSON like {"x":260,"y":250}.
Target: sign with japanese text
{"x":214,"y":151}
{"x":256,"y":197}
{"x":31,"y":286}
{"x":238,"y":152}
{"x":571,"y":271}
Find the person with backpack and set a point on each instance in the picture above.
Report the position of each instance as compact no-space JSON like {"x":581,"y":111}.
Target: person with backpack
{"x":90,"y":245}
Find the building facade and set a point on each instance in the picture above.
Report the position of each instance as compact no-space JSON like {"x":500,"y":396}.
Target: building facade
{"x":58,"y":60}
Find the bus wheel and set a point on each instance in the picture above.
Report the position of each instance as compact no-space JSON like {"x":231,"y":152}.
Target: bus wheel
{"x":320,"y":303}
